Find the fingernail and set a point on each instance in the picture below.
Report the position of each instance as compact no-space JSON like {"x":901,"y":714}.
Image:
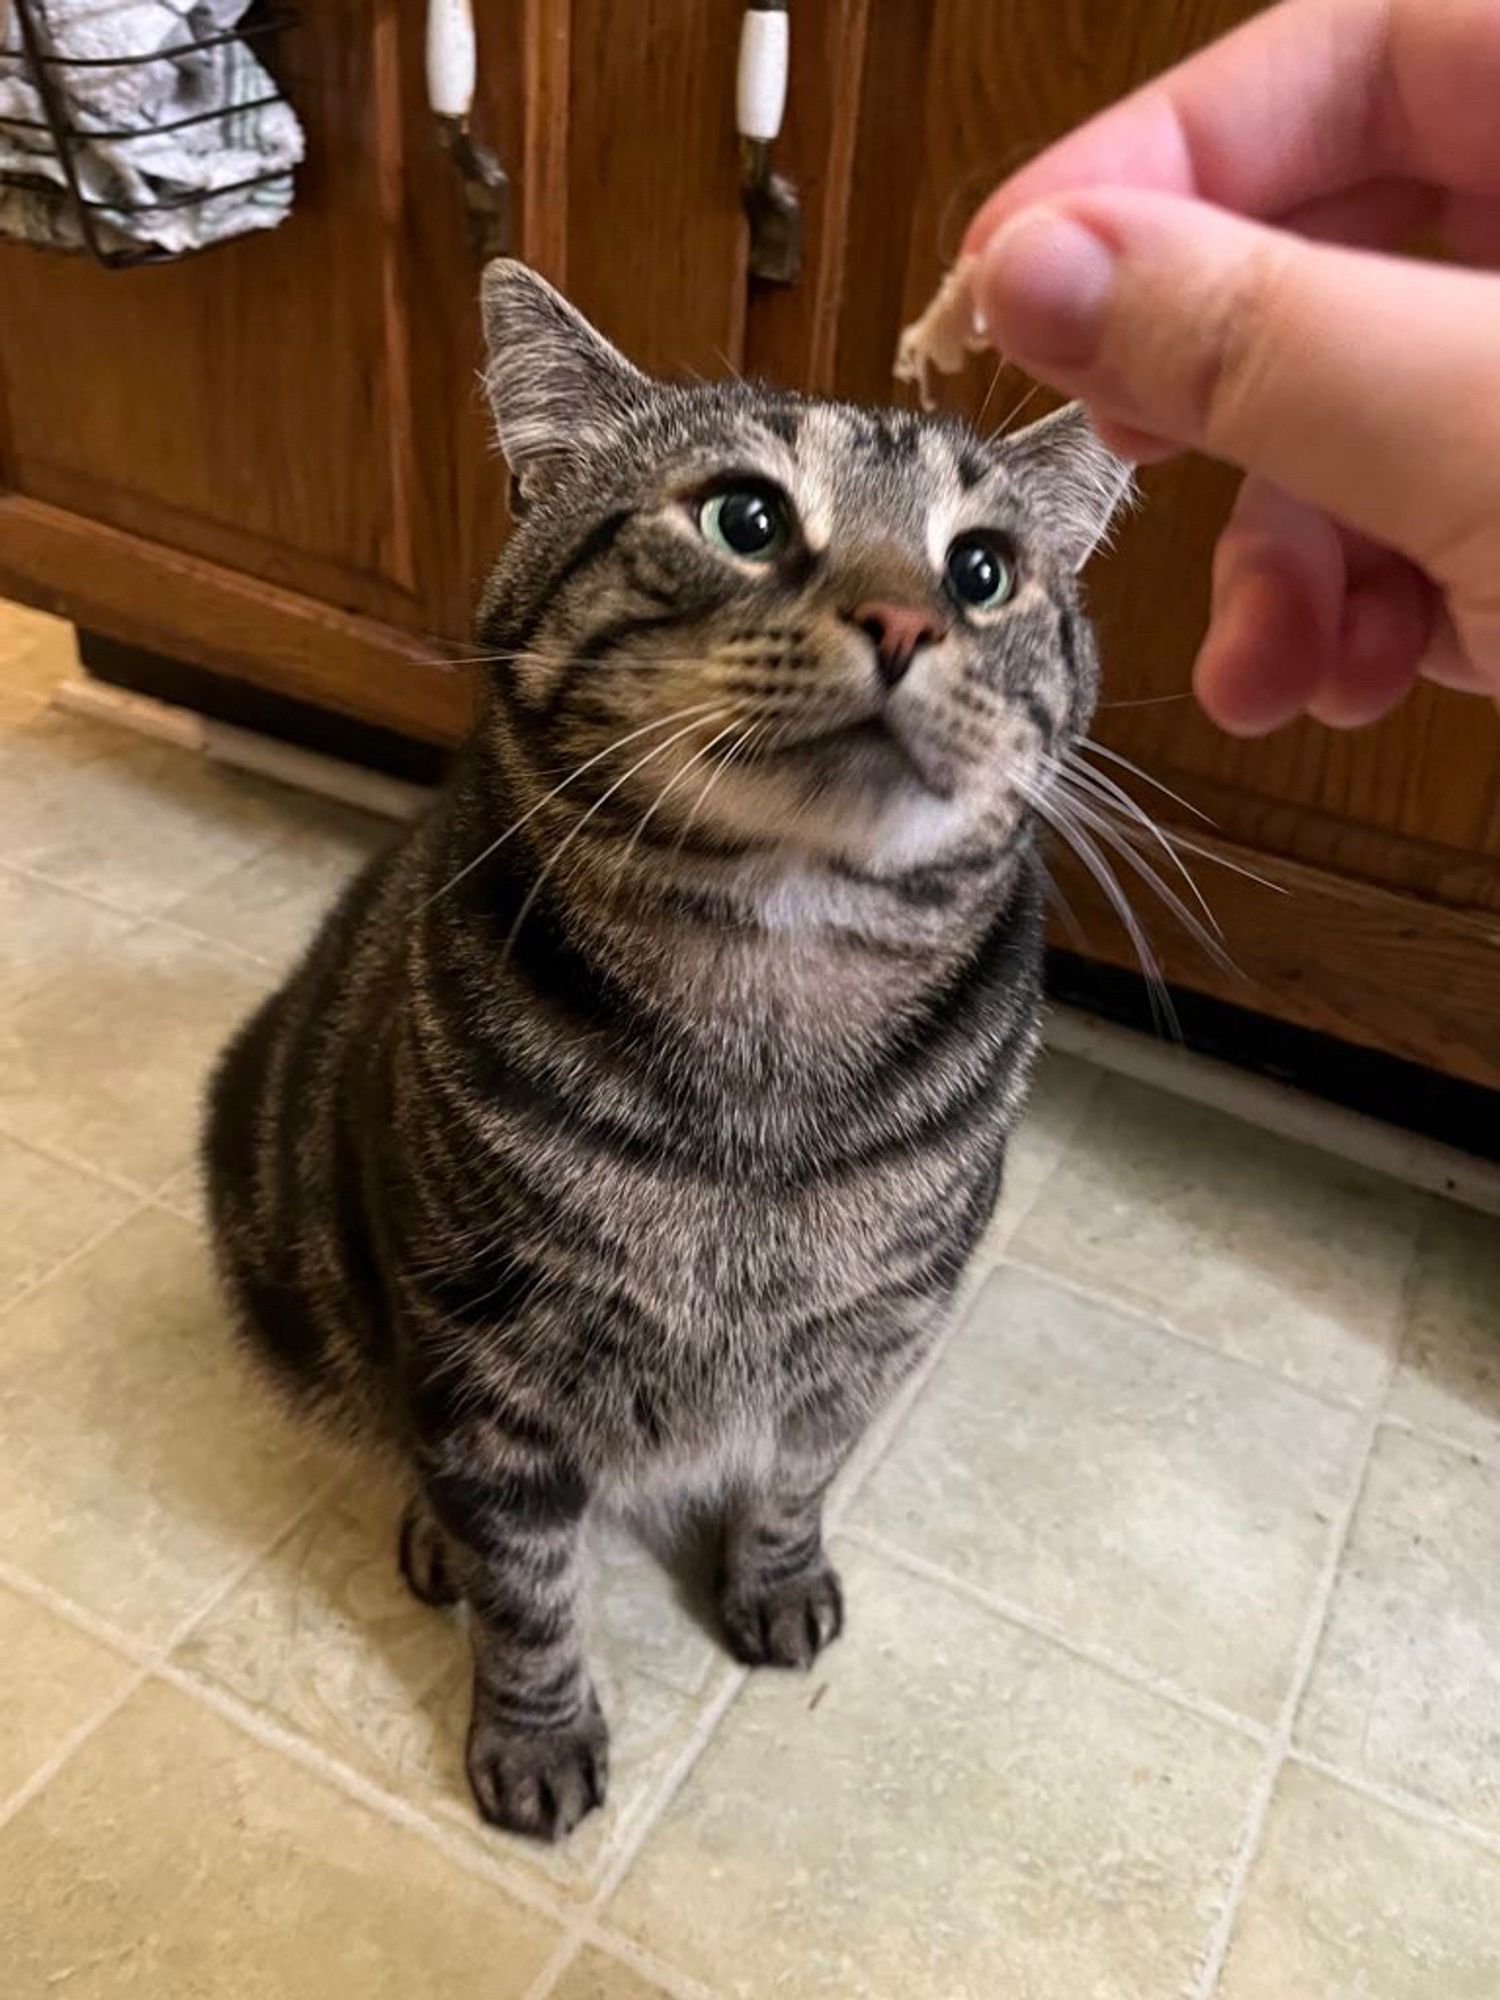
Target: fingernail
{"x":1044,"y":285}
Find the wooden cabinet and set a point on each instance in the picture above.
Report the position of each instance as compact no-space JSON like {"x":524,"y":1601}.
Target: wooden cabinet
{"x":271,"y":460}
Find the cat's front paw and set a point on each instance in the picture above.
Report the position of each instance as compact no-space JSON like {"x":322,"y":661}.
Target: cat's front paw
{"x":785,"y":1624}
{"x":539,"y":1782}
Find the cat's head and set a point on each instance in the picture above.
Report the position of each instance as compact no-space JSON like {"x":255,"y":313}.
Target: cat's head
{"x":747,"y":618}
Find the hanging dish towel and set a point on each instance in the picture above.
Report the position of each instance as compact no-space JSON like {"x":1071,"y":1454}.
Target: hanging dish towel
{"x":225,"y":172}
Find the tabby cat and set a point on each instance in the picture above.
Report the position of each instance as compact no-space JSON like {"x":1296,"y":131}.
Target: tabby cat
{"x":624,"y":1132}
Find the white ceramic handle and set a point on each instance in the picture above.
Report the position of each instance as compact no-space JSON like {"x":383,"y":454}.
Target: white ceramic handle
{"x":760,"y":89}
{"x":450,"y":57}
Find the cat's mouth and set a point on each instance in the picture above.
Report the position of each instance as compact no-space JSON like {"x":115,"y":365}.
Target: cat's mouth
{"x":874,"y":751}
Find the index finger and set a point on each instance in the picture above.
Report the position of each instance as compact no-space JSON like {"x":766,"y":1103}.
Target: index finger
{"x":1306,"y":100}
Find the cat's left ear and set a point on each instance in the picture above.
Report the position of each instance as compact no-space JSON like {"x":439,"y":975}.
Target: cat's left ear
{"x":1073,"y":481}
{"x":553,"y":382}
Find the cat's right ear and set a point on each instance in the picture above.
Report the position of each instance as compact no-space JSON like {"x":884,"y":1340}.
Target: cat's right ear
{"x":554,"y":384}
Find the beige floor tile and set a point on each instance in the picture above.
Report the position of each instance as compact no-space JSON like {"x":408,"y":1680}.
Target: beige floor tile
{"x":175,"y":1857}
{"x":141,"y":1460}
{"x":36,"y":651}
{"x":110,"y":1071}
{"x":947,"y":1808}
{"x":325,"y":1637}
{"x":48,"y":935}
{"x":592,"y":1976}
{"x":136,"y":823}
{"x":1349,"y":1900}
{"x":53,"y":1678}
{"x":1061,"y":1095}
{"x":272,"y":905}
{"x":1272,"y":1252}
{"x":46,"y":1212}
{"x":18,"y":706}
{"x":1449,"y":1378}
{"x":183,"y":1193}
{"x":1406,"y":1686}
{"x":1147,"y":1496}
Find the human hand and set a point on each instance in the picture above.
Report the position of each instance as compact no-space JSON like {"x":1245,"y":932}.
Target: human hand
{"x":1210,"y":265}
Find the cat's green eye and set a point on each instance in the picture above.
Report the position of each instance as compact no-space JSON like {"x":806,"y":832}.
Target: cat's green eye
{"x":751,"y":521}
{"x":979,"y":572}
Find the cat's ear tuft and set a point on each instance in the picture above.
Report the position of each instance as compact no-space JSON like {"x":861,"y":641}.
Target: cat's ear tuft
{"x":553,"y":382}
{"x":1072,"y":480}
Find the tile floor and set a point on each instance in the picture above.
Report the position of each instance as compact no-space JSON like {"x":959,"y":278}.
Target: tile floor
{"x":1173,"y":1666}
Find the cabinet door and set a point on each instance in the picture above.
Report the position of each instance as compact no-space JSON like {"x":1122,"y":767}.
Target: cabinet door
{"x":271,"y":459}
{"x":1382,"y":849}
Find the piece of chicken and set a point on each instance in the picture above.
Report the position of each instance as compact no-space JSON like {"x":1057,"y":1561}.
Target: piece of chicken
{"x":950,"y":329}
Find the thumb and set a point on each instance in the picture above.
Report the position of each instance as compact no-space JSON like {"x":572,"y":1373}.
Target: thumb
{"x":1368,"y":385}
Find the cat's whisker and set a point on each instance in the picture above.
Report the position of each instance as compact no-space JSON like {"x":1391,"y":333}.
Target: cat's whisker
{"x":659,"y":722}
{"x":1064,"y":908}
{"x":990,"y":392}
{"x":1109,"y":797}
{"x":1137,"y":771}
{"x":545,"y":873}
{"x":617,"y":657}
{"x":1005,"y":422}
{"x":1177,"y":841}
{"x":735,"y":749}
{"x":676,"y":779}
{"x":1114,"y":838}
{"x":1055,"y":812}
{"x":1146,"y":701}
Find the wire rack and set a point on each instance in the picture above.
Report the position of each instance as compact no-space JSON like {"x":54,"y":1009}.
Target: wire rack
{"x":48,"y":74}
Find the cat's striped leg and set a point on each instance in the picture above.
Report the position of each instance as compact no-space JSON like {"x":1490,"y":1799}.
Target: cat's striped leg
{"x":779,"y":1596}
{"x":537,"y":1754}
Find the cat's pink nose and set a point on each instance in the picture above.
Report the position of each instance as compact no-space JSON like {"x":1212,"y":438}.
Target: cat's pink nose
{"x":897,"y":631}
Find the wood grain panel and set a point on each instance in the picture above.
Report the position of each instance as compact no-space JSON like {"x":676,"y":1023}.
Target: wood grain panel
{"x":792,"y":330}
{"x":170,"y":602}
{"x":252,"y":388}
{"x":654,"y":250}
{"x":1380,"y":970}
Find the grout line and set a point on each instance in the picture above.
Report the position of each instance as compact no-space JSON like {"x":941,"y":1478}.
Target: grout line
{"x":141,"y":1205}
{"x":703,"y":1729}
{"x":1407,"y":1805}
{"x":251,"y":961}
{"x":74,"y":1741}
{"x":96,"y":900}
{"x":585,"y":1929}
{"x":881,"y":1435}
{"x":158,"y":919}
{"x":57,"y":1156}
{"x":90,"y":897}
{"x":870,"y":1452}
{"x":625,"y":1951}
{"x":1476,"y":1454}
{"x":1008,"y":1218}
{"x":82,"y":1620}
{"x":557,"y":1962}
{"x":365,"y":1791}
{"x":1216,"y":1948}
{"x":1115,"y":1664}
{"x":322,"y":1489}
{"x":1143,"y":1315}
{"x":148,"y":1659}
